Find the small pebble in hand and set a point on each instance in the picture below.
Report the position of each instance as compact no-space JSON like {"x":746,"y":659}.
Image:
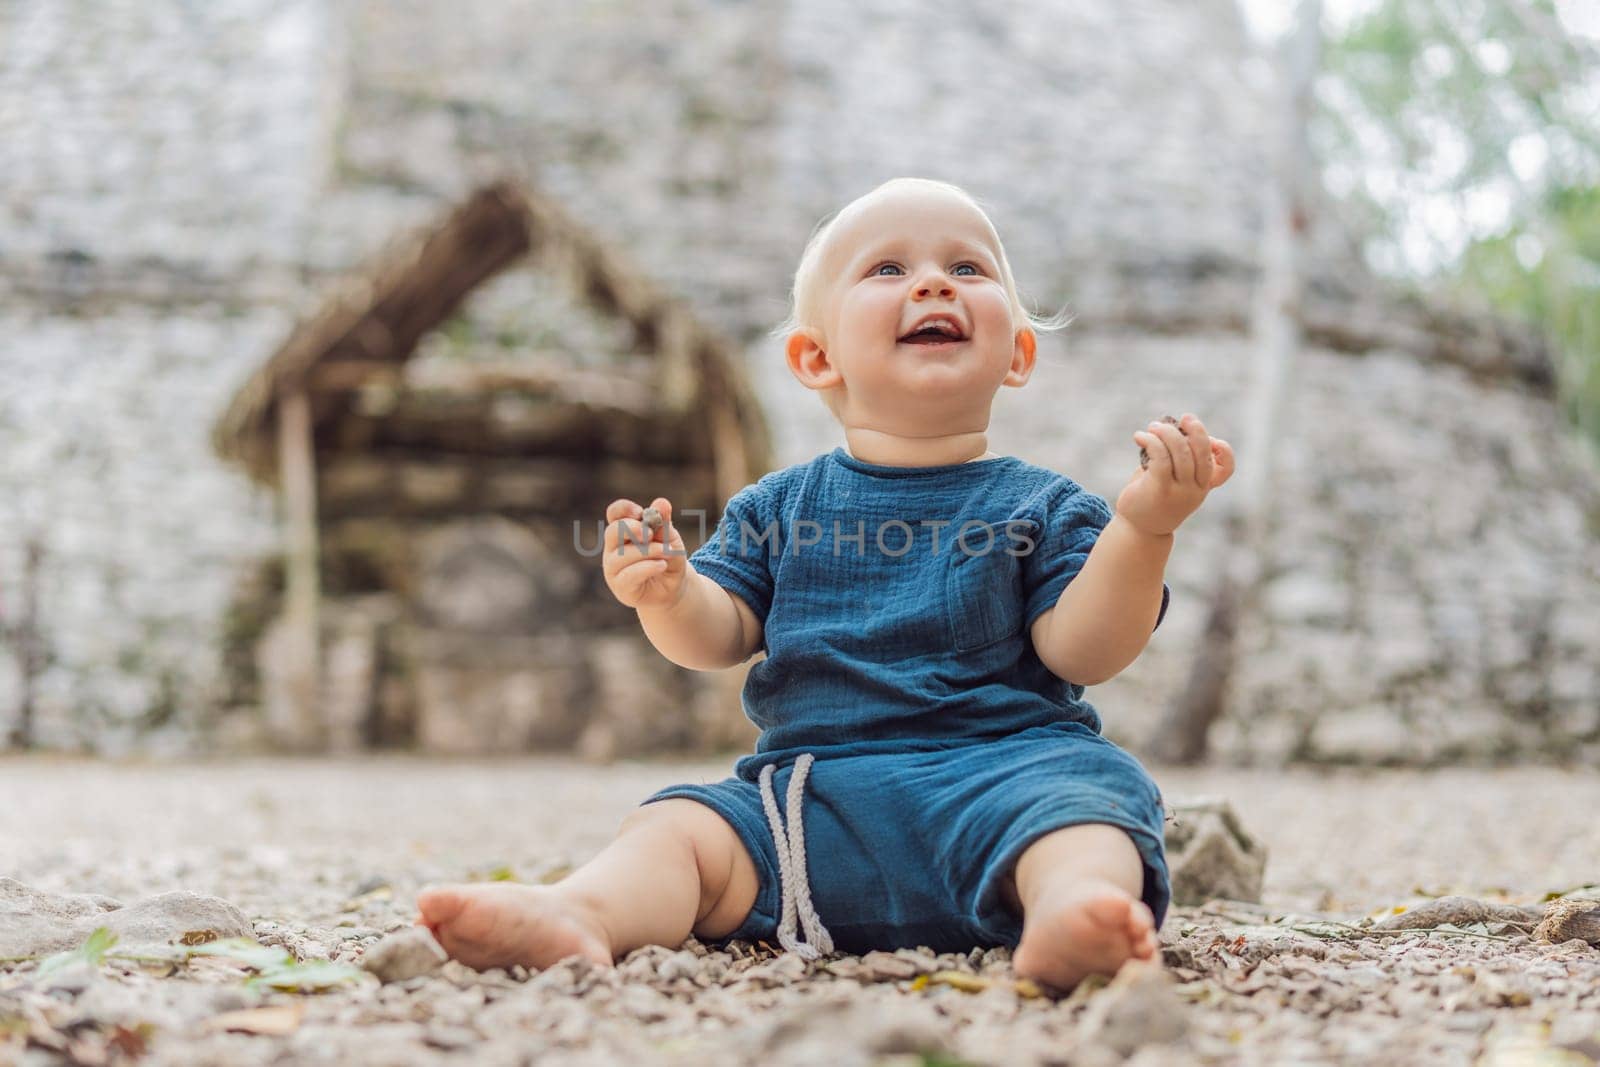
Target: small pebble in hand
{"x":652,"y":521}
{"x":1144,"y":456}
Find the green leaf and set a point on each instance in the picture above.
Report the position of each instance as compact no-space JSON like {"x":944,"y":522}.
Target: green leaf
{"x":502,"y":873}
{"x":311,"y":976}
{"x":252,"y":954}
{"x":92,"y":952}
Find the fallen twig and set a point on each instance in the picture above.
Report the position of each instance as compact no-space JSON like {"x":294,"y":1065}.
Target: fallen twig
{"x":1352,"y":932}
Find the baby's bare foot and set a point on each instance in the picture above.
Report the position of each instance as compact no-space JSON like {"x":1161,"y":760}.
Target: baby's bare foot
{"x":1083,"y":927}
{"x":497,"y":925}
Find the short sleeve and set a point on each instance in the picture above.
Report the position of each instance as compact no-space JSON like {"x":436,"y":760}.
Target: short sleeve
{"x":1066,"y":530}
{"x":737,"y":555}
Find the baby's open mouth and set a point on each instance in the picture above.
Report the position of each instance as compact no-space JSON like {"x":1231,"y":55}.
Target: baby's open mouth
{"x":934,"y":333}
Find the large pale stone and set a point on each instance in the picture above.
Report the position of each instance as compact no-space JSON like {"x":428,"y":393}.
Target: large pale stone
{"x":33,"y":922}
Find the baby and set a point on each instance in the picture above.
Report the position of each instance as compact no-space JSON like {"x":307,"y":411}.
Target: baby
{"x":920,"y":703}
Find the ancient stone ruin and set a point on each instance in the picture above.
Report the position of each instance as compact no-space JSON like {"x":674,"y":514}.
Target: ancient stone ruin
{"x":1435,"y":564}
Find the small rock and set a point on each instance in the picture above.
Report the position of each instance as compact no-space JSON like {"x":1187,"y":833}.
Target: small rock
{"x":556,"y":979}
{"x":1365,"y":977}
{"x":406,"y":954}
{"x":926,"y":962}
{"x":643,"y":963}
{"x":887,"y":967}
{"x":73,"y":978}
{"x":1469,"y":1022}
{"x":449,"y":1037}
{"x":1577,"y":1032}
{"x":644,"y":1003}
{"x":679,"y":965}
{"x":838,"y":1030}
{"x":845,"y":967}
{"x":1144,"y":454}
{"x":1568,"y":919}
{"x":370,"y":885}
{"x":220,"y":999}
{"x":1496,"y":990}
{"x":1139,"y":1007}
{"x":785,"y":970}
{"x":902,"y":1032}
{"x":1209,"y":855}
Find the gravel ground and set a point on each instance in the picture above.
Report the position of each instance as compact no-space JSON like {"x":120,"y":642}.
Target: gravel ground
{"x":324,"y":857}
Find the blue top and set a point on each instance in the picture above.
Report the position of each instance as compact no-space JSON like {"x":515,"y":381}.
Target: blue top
{"x":884,"y":629}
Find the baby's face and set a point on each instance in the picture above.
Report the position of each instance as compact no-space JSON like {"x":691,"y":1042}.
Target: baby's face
{"x":916,"y":319}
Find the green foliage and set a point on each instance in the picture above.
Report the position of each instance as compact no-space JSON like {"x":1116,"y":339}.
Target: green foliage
{"x":1467,"y":136}
{"x":309,"y":977}
{"x":1551,"y":275}
{"x":92,"y":952}
{"x":276,"y":969}
{"x":252,"y":954}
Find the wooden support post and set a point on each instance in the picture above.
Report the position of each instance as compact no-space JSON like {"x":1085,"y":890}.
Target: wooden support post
{"x":1245,"y":550}
{"x":297,"y":470}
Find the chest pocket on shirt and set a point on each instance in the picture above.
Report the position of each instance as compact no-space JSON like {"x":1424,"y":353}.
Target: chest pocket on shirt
{"x":983,"y":593}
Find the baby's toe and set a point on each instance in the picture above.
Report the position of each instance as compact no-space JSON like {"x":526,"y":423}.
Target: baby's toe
{"x":439,"y":904}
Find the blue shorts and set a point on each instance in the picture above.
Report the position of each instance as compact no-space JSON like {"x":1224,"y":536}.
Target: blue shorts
{"x":912,"y":848}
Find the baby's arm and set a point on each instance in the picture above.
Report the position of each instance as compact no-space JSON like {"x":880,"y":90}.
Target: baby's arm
{"x":1105,"y":616}
{"x":708,"y":628}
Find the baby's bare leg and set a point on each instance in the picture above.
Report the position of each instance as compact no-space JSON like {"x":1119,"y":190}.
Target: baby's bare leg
{"x":675,"y":867}
{"x":1078,"y":892}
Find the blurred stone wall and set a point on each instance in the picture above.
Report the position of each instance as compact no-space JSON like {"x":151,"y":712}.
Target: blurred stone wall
{"x":163,"y":164}
{"x":211,"y":163}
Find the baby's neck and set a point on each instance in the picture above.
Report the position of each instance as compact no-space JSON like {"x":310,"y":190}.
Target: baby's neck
{"x":893,"y":450}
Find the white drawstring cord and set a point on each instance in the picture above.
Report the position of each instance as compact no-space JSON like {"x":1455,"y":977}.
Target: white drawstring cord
{"x":796,"y":889}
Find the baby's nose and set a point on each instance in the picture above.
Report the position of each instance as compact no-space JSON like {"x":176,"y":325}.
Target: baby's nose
{"x":942,"y":288}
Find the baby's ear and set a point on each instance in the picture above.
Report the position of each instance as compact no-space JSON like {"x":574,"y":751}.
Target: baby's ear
{"x":808,"y":360}
{"x":1022,"y":357}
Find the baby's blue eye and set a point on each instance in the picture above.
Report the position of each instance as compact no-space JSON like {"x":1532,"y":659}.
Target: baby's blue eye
{"x":958,"y":269}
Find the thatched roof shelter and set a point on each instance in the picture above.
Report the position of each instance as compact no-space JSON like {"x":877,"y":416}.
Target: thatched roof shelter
{"x":371,"y":323}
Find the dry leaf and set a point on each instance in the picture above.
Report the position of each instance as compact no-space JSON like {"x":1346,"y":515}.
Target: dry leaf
{"x":356,"y":903}
{"x":132,"y":1042}
{"x":555,"y":874}
{"x":967,"y":983}
{"x":274,"y":1021}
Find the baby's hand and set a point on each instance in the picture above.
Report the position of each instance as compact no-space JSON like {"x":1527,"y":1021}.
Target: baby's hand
{"x":1185,"y":464}
{"x":643,"y":574}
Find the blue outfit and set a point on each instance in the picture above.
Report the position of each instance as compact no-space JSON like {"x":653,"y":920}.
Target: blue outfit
{"x":900,"y":681}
